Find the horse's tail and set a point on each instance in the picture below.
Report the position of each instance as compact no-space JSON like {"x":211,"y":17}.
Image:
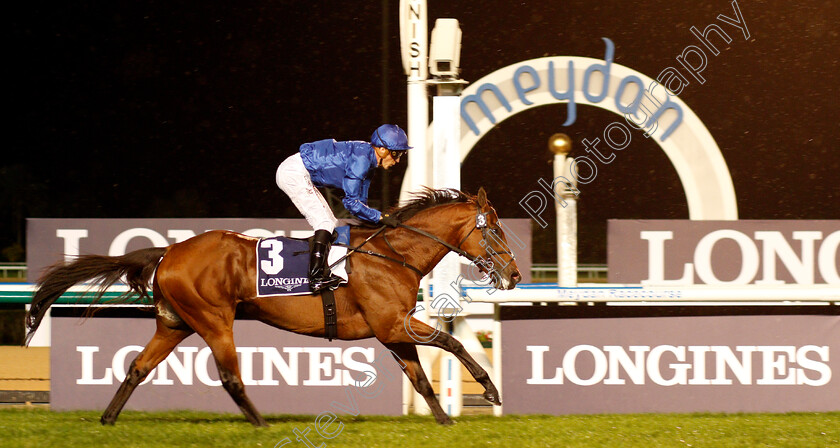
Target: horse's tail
{"x":135,"y":267}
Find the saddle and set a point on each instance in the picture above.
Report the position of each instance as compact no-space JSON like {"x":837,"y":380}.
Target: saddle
{"x":283,"y":270}
{"x":283,"y":265}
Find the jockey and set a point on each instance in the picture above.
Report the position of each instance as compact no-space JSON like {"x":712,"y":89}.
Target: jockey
{"x":345,"y":165}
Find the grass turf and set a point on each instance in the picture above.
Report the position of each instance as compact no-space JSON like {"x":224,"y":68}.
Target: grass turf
{"x":27,"y":427}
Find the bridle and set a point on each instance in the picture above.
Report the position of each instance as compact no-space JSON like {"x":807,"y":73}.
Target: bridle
{"x":481,"y":223}
{"x":483,"y":262}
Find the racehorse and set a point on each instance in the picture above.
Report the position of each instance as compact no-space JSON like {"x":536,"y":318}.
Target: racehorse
{"x":201,"y":284}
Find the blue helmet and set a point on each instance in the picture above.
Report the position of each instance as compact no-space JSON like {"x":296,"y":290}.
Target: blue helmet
{"x":390,"y":136}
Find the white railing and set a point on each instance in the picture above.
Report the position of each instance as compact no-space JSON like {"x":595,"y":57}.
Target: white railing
{"x":585,"y":272}
{"x":13,"y":271}
{"x":642,"y":294}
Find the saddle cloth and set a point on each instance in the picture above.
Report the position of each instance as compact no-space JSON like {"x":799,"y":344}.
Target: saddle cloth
{"x":283,"y":266}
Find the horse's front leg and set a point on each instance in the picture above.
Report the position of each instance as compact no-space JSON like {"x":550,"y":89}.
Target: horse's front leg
{"x":421,"y":333}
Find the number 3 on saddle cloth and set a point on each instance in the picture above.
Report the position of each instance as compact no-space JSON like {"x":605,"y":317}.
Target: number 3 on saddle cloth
{"x":283,"y":265}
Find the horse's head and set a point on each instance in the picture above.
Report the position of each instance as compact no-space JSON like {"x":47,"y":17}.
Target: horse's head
{"x":468,"y":226}
{"x":487,"y":244}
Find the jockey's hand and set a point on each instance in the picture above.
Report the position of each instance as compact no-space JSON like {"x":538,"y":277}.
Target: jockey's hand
{"x":389,"y":220}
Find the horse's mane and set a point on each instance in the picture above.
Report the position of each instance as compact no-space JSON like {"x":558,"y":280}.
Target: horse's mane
{"x":428,"y":198}
{"x":423,"y":200}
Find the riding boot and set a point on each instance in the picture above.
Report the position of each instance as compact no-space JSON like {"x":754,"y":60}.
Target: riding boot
{"x":320,"y":276}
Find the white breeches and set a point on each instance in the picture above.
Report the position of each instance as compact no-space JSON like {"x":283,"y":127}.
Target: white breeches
{"x":293,"y":178}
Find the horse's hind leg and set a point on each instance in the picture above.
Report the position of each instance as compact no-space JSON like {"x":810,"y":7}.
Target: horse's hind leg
{"x":414,"y":371}
{"x":225,"y":353}
{"x":217,"y":332}
{"x":162,"y":343}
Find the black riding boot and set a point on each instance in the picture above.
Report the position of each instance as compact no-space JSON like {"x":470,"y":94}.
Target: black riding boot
{"x":319,"y":273}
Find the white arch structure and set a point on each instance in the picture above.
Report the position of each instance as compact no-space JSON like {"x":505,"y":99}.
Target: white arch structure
{"x":675,"y":128}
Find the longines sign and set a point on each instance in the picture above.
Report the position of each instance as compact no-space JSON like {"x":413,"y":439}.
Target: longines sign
{"x":674,"y":359}
{"x":683,"y":252}
{"x":282,"y":372}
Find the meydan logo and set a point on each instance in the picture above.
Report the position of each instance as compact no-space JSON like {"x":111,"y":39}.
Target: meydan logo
{"x":529,"y":81}
{"x":286,"y":284}
{"x":558,"y":79}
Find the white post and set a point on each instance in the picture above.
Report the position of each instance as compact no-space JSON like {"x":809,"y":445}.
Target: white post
{"x":426,"y":355}
{"x":444,"y":65}
{"x":43,"y":336}
{"x":566,"y":239}
{"x":497,"y":356}
{"x":561,"y":145}
{"x":446,"y":171}
{"x":414,"y":44}
{"x":418,"y":123}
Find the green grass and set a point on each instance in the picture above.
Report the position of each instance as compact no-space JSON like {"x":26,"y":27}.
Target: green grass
{"x":45,"y":429}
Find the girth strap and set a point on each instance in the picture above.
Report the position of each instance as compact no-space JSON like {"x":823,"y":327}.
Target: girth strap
{"x":330,"y":315}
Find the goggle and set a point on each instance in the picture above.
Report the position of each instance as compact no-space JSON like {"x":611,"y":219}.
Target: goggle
{"x":396,"y":154}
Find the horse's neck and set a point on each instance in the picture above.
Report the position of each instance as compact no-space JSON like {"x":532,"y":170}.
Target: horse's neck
{"x":424,"y":252}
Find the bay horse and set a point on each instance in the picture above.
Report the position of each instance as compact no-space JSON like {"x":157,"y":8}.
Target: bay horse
{"x":201,"y":284}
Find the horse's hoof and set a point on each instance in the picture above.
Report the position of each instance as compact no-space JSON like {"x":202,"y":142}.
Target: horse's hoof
{"x":446,"y":421}
{"x":106,"y":422}
{"x":492,"y":397}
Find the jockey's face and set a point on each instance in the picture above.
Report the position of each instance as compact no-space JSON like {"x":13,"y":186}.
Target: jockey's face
{"x":384,"y":157}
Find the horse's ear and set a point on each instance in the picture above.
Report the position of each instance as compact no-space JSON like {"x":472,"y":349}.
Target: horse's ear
{"x":482,"y":197}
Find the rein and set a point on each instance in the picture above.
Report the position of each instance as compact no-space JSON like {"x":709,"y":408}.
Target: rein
{"x":480,"y":223}
{"x":457,"y":250}
{"x":376,"y":254}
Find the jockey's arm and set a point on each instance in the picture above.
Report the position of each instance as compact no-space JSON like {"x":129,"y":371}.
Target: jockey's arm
{"x":355,"y":200}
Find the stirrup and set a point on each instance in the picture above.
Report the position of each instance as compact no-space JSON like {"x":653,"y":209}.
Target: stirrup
{"x":331,"y":283}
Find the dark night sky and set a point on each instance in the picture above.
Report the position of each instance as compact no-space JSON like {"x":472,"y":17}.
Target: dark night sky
{"x":155,"y":109}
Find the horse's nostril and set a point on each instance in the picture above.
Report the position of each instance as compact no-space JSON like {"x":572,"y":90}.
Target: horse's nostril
{"x":516,"y":277}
